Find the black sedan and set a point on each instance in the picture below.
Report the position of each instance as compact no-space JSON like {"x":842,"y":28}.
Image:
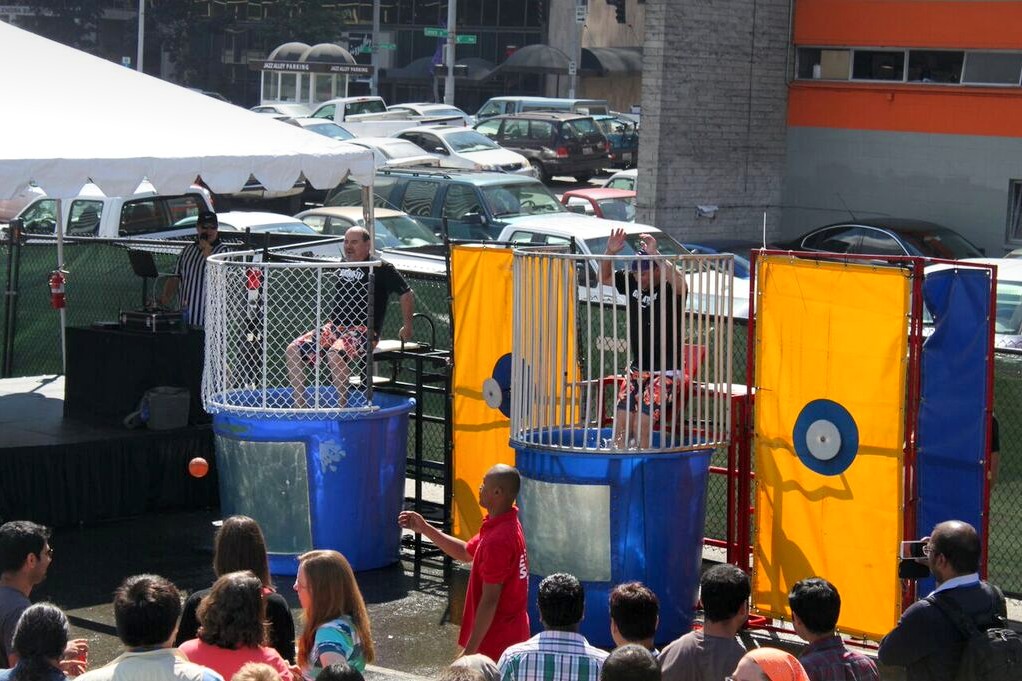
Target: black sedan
{"x":887,"y":236}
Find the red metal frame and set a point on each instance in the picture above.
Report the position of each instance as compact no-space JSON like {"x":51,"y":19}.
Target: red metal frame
{"x":738,"y":540}
{"x":985,"y":530}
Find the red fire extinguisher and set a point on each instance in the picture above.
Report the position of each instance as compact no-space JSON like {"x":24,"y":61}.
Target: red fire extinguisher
{"x":57,"y":299}
{"x":253,"y":281}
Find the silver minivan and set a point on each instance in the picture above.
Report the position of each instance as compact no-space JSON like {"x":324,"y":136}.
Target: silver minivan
{"x":495,"y":106}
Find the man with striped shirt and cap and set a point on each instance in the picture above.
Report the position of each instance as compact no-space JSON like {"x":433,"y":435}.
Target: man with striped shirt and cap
{"x":559,"y":653}
{"x":190,"y":272}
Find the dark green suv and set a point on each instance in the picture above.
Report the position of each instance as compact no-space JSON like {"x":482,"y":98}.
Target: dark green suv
{"x":477,"y":205}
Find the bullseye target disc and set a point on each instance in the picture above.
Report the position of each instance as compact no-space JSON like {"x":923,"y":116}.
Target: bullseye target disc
{"x":497,"y":388}
{"x":826,"y":438}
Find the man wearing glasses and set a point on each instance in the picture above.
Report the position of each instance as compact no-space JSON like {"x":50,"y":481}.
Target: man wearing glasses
{"x":190,"y":272}
{"x":25,"y":556}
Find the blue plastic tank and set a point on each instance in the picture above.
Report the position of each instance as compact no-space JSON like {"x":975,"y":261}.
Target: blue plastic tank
{"x":318,"y":483}
{"x":613,"y":518}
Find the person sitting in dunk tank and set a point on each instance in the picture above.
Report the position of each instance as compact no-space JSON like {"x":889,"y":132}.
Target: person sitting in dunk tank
{"x":345,"y":341}
{"x":655,"y":291}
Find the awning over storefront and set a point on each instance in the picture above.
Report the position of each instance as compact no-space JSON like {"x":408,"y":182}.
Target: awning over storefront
{"x":539,"y":58}
{"x":596,"y":61}
{"x":421,"y":69}
{"x":609,"y":61}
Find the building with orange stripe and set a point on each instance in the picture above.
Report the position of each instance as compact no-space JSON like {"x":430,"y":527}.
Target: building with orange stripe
{"x":911,"y":109}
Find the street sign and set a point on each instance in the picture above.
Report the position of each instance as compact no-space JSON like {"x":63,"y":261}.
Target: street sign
{"x":572,"y":68}
{"x":433,"y":32}
{"x":387,"y":46}
{"x":465,"y":39}
{"x":366,"y":49}
{"x":580,"y":14}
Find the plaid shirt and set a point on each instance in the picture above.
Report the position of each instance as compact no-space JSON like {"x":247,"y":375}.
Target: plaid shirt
{"x":829,"y":660}
{"x":552,"y":656}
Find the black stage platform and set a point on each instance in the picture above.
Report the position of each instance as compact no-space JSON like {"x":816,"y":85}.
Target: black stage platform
{"x":60,"y":472}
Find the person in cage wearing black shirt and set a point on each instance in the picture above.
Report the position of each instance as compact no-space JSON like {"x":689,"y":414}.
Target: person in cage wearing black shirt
{"x":655,"y":291}
{"x":345,"y":340}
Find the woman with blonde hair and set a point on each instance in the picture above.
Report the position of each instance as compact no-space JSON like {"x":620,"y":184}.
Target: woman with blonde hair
{"x":336,"y":622}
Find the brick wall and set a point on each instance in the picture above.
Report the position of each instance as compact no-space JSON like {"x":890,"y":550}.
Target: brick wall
{"x":714,"y":97}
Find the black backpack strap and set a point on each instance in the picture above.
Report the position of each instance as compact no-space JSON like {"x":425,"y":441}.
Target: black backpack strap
{"x":965,"y":624}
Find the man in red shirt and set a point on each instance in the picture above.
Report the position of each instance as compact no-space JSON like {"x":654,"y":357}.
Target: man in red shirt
{"x":498,"y":585}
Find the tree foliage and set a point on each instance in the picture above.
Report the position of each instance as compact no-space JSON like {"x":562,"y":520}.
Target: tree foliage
{"x":308,"y":22}
{"x":70,"y":22}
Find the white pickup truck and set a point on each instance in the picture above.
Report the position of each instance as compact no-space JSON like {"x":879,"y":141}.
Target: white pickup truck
{"x":368,"y":116}
{"x":145,"y":214}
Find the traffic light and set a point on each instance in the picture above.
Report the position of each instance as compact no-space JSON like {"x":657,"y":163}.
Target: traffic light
{"x":619,"y":10}
{"x":541,"y":11}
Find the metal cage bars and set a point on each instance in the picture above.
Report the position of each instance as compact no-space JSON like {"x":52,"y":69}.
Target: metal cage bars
{"x":663,"y":349}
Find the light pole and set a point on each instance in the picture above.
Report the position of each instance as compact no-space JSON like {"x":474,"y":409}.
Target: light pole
{"x":375,"y":81}
{"x":452,"y":22}
{"x":141,"y":36}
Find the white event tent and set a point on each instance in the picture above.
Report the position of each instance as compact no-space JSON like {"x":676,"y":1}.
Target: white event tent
{"x":70,"y":118}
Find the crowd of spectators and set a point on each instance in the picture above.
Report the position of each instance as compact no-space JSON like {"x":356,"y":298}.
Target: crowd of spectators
{"x":242,"y":630}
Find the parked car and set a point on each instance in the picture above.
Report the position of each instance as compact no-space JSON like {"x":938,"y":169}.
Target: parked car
{"x":460,"y":147}
{"x":1008,"y":313}
{"x":391,"y":152}
{"x":623,"y":136}
{"x":741,"y":249}
{"x":258,"y":222}
{"x":322,"y":127}
{"x":887,"y":236}
{"x":289,"y":110}
{"x":210,"y":93}
{"x":475,"y":205}
{"x":612,"y":204}
{"x":394,"y":228}
{"x":144,"y":214}
{"x":426,"y":110}
{"x":9,"y":208}
{"x":367,"y":116}
{"x":623,"y":179}
{"x":555,"y":143}
{"x":402,"y":240}
{"x":498,"y":106}
{"x":590,"y":236}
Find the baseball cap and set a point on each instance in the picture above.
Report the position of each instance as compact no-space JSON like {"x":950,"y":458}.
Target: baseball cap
{"x":207,"y":218}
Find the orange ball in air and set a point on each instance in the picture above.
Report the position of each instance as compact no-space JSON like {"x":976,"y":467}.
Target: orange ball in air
{"x":198,"y":467}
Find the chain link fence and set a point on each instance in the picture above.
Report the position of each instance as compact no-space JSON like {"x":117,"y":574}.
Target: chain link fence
{"x":101,"y":283}
{"x":288,"y":338}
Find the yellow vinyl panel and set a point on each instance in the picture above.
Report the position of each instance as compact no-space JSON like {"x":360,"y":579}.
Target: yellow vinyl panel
{"x":831,"y":331}
{"x":481,"y":284}
{"x":548,"y":317}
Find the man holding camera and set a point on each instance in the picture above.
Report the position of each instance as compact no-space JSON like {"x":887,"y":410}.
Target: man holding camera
{"x":926,"y":641}
{"x":190,"y":272}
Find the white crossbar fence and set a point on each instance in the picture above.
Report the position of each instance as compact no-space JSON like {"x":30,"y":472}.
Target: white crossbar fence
{"x":615,"y":353}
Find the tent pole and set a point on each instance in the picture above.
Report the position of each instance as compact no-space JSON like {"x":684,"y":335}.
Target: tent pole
{"x":59,"y":219}
{"x":369,"y":215}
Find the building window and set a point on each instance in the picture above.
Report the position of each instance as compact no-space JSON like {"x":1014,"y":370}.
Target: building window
{"x":992,"y":68}
{"x":821,"y":63}
{"x":878,"y":65}
{"x":935,"y":66}
{"x":1015,"y":211}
